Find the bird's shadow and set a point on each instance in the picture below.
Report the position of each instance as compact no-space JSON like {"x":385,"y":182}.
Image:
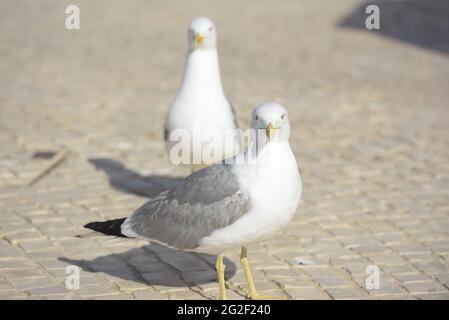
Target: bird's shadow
{"x":152,"y":264}
{"x":155,"y":264}
{"x":129,"y":181}
{"x":421,"y":22}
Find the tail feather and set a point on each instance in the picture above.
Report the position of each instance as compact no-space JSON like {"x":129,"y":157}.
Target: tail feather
{"x":109,"y":228}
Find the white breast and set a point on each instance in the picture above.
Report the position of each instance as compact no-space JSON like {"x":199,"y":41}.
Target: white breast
{"x":201,"y":106}
{"x":274,"y":187}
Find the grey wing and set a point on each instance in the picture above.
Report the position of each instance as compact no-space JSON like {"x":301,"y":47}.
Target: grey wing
{"x":207,"y":200}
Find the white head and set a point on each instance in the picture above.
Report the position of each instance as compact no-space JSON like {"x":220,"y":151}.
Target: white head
{"x":271,"y":119}
{"x":202,"y":34}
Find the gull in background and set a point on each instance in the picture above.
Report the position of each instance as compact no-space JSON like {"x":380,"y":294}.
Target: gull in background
{"x":200,"y":103}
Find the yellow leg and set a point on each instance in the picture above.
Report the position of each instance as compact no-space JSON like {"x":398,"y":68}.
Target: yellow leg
{"x":253,"y":295}
{"x":219,"y":265}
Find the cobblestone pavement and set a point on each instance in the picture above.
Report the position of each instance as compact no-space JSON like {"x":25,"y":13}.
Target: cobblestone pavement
{"x":370,"y":130}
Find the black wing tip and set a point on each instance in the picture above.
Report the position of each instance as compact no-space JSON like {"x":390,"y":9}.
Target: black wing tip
{"x":108,"y":227}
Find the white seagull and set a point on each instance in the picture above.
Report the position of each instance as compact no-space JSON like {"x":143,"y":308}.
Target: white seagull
{"x":200,"y":103}
{"x":231,"y":204}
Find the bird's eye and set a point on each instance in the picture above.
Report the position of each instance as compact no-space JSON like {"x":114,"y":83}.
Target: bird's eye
{"x":283,"y":116}
{"x":257,"y":118}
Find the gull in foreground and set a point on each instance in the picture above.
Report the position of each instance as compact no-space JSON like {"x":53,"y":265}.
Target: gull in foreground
{"x":231,"y":204}
{"x":200,"y":103}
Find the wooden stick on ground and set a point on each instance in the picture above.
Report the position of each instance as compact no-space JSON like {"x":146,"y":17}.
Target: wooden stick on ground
{"x":57,"y":159}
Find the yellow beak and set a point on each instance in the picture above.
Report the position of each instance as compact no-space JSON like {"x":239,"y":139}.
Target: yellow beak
{"x":270,"y":130}
{"x":198,"y":38}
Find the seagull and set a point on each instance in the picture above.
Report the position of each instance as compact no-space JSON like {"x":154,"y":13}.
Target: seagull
{"x":234,"y":203}
{"x":200,"y":103}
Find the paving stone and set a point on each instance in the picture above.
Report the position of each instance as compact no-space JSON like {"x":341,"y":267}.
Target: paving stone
{"x":433,"y":267}
{"x":326,"y":282}
{"x":25,"y":236}
{"x":149,"y":295}
{"x":95,"y":290}
{"x":413,"y":277}
{"x":16,"y":264}
{"x":184,"y":295}
{"x":13,"y":295}
{"x":424,"y":287}
{"x":347,"y":293}
{"x":11,"y":253}
{"x":128,"y":285}
{"x":47,"y":291}
{"x":390,"y":259}
{"x":307,"y":294}
{"x":27,"y":283}
{"x":118,"y":296}
{"x":433,"y":296}
{"x":22,"y":273}
{"x":41,"y":245}
{"x":297,"y":281}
